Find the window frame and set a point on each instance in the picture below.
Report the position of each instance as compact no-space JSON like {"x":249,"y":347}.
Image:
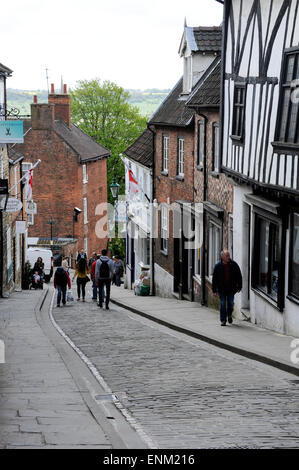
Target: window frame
{"x":200,"y":143}
{"x":181,"y":157}
{"x":239,"y":116}
{"x":215,"y":147}
{"x":272,"y":220}
{"x":291,"y":294}
{"x":286,"y":85}
{"x":85,"y":211}
{"x":84,"y":172}
{"x":165,"y":154}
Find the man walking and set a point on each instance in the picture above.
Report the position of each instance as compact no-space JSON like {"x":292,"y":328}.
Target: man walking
{"x":227,"y":280}
{"x":103,"y":274}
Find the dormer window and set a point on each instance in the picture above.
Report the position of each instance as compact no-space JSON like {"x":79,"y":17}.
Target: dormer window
{"x":187,"y":80}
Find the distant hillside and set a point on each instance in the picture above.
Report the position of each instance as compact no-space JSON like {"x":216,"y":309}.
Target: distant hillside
{"x":146,"y":100}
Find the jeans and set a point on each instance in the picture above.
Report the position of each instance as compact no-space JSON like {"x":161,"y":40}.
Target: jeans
{"x":61,"y":291}
{"x":226,"y":305}
{"x":94,"y":290}
{"x":117,"y":280}
{"x":101,"y":284}
{"x":81,"y":282}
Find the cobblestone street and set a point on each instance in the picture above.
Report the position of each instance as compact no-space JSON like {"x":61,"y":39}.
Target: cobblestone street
{"x":184,"y":393}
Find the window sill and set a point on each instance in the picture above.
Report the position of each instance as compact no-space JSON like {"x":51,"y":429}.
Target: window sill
{"x":199,"y":167}
{"x":283,"y":146}
{"x":237,"y":139}
{"x":293,"y":299}
{"x":215,"y":174}
{"x":266,"y":297}
{"x":164,"y":173}
{"x":85,"y":181}
{"x":180,"y":177}
{"x":164,"y":253}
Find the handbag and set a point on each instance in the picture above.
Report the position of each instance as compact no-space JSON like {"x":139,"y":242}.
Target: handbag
{"x":69,"y":296}
{"x":87,"y":279}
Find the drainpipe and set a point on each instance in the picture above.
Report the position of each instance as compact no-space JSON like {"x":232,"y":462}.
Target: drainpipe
{"x":152,"y":240}
{"x":204,"y":197}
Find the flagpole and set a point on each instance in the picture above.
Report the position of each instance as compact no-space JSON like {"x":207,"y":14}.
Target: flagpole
{"x":25,"y":176}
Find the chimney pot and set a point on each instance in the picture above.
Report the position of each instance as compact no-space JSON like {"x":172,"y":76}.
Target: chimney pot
{"x":65,"y":89}
{"x":52,"y":88}
{"x":34,"y":98}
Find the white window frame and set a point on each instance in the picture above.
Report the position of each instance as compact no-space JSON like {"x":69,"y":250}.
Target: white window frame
{"x":85,"y":210}
{"x":165,"y":150}
{"x":16,"y":180}
{"x":26,"y":166}
{"x":200,"y":143}
{"x":181,"y":156}
{"x":164,"y":228}
{"x":231,"y":235}
{"x":86,"y":245}
{"x":85,"y":175}
{"x":18,"y":261}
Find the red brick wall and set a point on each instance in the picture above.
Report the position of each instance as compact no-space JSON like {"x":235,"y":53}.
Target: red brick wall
{"x":169,"y":186}
{"x":219,"y":190}
{"x":58,"y":188}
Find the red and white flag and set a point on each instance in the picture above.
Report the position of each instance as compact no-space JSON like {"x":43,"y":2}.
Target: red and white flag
{"x":29,"y":181}
{"x":133,"y":185}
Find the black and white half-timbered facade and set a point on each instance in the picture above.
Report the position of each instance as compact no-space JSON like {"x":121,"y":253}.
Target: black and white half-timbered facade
{"x":260,"y":152}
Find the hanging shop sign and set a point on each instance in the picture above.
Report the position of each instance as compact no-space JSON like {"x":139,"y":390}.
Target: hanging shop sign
{"x":11,"y":132}
{"x":13,"y":205}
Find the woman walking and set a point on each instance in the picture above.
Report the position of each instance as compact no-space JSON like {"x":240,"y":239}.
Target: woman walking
{"x":81,"y":272}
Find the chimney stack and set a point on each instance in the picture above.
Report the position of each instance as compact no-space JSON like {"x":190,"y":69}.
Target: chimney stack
{"x":62,"y":104}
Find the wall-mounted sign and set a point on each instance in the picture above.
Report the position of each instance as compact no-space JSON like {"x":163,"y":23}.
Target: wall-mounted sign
{"x":11,"y":132}
{"x":31,"y":207}
{"x":20,"y":226}
{"x":13,"y":205}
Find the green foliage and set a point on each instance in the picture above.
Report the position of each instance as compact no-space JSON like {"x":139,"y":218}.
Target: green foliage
{"x":103,"y":112}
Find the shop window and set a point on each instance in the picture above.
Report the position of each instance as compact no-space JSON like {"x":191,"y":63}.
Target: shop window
{"x":267,"y":256}
{"x":294,"y":258}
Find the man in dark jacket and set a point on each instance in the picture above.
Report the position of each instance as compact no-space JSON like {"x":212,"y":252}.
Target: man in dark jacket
{"x":103,"y":275}
{"x":227,"y":280}
{"x":61,"y":281}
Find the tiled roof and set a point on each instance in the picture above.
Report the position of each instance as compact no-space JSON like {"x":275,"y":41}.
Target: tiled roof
{"x":142,"y":149}
{"x":5,"y":70}
{"x":81,"y":143}
{"x":173,"y":110}
{"x":207,"y":90}
{"x":208,"y":38}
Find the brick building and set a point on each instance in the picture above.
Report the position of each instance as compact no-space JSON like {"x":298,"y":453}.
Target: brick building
{"x":72,"y":174}
{"x":213,"y":189}
{"x":174,"y":126}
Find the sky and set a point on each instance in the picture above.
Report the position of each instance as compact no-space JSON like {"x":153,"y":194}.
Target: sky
{"x":133,"y":43}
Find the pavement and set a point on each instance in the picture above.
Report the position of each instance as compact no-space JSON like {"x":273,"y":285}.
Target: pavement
{"x":191,"y":318}
{"x":48,"y":396}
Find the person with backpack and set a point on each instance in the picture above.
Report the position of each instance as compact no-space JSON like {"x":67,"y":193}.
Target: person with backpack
{"x":61,"y":281}
{"x":81,"y":272}
{"x":103,"y":275}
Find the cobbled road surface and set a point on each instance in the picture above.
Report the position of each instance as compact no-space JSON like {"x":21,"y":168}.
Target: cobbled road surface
{"x":182,"y":392}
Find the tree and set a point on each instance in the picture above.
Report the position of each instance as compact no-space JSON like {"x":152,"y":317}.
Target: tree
{"x":103,"y":112}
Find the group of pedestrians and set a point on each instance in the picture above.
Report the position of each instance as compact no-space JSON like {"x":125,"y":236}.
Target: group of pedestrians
{"x":102,"y":270}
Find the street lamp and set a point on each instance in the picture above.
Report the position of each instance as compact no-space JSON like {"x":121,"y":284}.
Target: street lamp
{"x":3,"y":194}
{"x":114,"y":187}
{"x":51,"y":222}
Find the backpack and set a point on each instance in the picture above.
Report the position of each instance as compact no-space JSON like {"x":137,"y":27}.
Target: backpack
{"x":104,"y":270}
{"x":61,"y":277}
